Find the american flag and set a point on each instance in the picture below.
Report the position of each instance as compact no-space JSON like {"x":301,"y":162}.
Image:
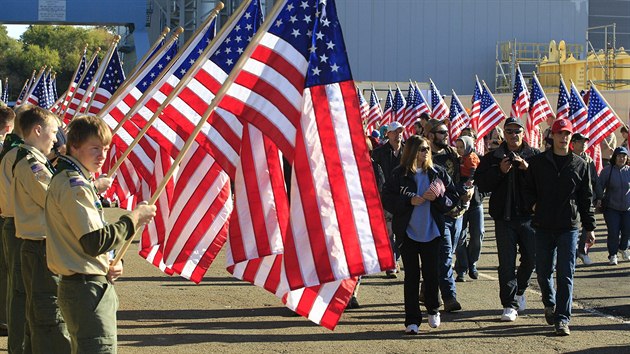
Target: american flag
{"x":311,"y":112}
{"x":420,"y":103}
{"x":563,"y":110}
{"x":388,"y":112}
{"x":399,"y":105}
{"x":437,"y":187}
{"x":520,"y":96}
{"x":81,"y":89}
{"x":579,"y":112}
{"x":491,"y":114}
{"x":440,"y":109}
{"x":475,"y":111}
{"x":364,"y":107}
{"x":539,"y":110}
{"x":5,"y":91}
{"x":411,"y":114}
{"x":112,"y":79}
{"x":52,"y":89}
{"x":458,"y":117}
{"x":22,"y":93}
{"x":37,"y":95}
{"x":585,"y":96}
{"x":375,"y":113}
{"x":78,"y":74}
{"x":602,"y":119}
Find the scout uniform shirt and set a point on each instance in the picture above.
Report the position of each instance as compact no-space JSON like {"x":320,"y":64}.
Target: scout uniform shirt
{"x":31,"y":176}
{"x":73,"y":210}
{"x":9,"y":149}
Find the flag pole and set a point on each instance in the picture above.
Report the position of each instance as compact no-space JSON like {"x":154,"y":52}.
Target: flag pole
{"x":132,"y":78}
{"x":98,"y":78}
{"x":42,"y":70}
{"x":146,"y":55}
{"x":76,"y":71}
{"x":23,"y":88}
{"x":264,"y":28}
{"x":140,"y":102}
{"x":176,"y":91}
{"x":85,"y":72}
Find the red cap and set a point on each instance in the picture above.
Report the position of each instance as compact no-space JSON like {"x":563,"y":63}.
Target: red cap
{"x":562,"y":125}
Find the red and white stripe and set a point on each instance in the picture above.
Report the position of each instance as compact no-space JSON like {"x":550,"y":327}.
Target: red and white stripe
{"x":579,"y":118}
{"x":375,"y":113}
{"x":490,"y":117}
{"x":520,"y":104}
{"x":539,"y":110}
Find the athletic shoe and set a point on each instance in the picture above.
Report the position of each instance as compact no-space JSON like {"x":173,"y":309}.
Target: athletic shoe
{"x":509,"y":314}
{"x":451,"y":305}
{"x":522,"y":302}
{"x":549,"y":315}
{"x":625,"y":255}
{"x":585,"y":258}
{"x":393,"y":273}
{"x":562,"y":329}
{"x":612,"y":260}
{"x":434,"y":320}
{"x":461,"y":278}
{"x":412,"y":329}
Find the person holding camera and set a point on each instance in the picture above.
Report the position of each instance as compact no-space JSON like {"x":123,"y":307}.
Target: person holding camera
{"x":502,"y":172}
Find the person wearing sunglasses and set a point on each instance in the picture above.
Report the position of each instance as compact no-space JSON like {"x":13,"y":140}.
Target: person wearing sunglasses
{"x":502,"y":173}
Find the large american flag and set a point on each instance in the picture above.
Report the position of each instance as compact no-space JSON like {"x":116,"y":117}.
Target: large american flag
{"x":440,"y":109}
{"x":81,"y":89}
{"x":308,"y":107}
{"x":490,"y":113}
{"x":520,"y":96}
{"x":112,"y":79}
{"x":539,"y":110}
{"x":475,"y":111}
{"x":37,"y":96}
{"x":578,"y":112}
{"x":563,"y":110}
{"x":399,"y":106}
{"x":388,"y":111}
{"x":78,"y":74}
{"x":375,"y":113}
{"x":602,"y":119}
{"x":458,"y":117}
{"x":411,"y":114}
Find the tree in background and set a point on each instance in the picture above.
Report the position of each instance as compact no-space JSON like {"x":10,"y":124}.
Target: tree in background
{"x":58,"y":46}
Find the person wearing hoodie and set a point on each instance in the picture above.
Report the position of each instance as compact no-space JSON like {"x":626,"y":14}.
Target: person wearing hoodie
{"x":469,"y":249}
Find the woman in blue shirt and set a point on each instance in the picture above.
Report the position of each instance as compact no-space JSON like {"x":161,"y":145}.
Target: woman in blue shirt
{"x":418,"y":195}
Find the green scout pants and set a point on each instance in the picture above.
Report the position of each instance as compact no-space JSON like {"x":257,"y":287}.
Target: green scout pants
{"x":89,"y":306}
{"x":16,"y":297}
{"x":4,"y":278}
{"x":46,"y":329}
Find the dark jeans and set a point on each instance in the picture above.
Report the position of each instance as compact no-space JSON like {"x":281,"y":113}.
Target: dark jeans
{"x":513,"y":237}
{"x":471,"y":239}
{"x":559,"y":246}
{"x":428,"y":252}
{"x":618,"y":225}
{"x":452,"y":229}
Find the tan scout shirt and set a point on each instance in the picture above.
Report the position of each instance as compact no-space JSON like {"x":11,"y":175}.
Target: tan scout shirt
{"x":73,"y":210}
{"x":31,"y":177}
{"x":6,"y":178}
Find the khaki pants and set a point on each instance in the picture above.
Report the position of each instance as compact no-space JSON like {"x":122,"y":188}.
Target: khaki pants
{"x":16,"y":297}
{"x":89,"y":308}
{"x":46,"y":327}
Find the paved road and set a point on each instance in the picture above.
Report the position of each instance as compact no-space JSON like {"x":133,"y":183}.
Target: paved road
{"x":159,"y":314}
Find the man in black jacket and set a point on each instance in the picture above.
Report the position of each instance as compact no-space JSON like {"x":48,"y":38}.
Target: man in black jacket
{"x":502,"y":172}
{"x":559,"y":193}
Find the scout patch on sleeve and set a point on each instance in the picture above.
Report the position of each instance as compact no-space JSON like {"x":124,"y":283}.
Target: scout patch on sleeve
{"x":37,"y":167}
{"x":76,"y":182}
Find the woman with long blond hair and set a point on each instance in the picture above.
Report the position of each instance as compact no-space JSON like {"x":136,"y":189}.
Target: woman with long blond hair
{"x":418,"y":195}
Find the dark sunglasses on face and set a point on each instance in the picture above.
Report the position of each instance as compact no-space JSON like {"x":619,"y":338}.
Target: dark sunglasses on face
{"x":513,"y":131}
{"x":423,"y":149}
{"x":443,"y":132}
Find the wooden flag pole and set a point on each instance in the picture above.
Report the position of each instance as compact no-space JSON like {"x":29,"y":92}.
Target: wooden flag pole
{"x":142,"y":100}
{"x":215,"y":101}
{"x":85,"y":72}
{"x":132,"y":78}
{"x":146,"y":55}
{"x":98,"y":78}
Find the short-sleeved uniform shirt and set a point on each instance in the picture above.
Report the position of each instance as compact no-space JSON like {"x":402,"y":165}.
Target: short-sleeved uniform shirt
{"x":31,"y":177}
{"x":73,"y":209}
{"x":6,"y":178}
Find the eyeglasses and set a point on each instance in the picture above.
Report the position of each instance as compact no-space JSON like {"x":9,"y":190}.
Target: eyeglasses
{"x":443,"y":132}
{"x":513,"y":131}
{"x":423,"y":149}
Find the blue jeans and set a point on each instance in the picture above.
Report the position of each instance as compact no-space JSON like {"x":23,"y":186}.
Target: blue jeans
{"x":560,"y":246}
{"x":514,"y":237}
{"x":468,"y":253}
{"x":617,"y":222}
{"x":392,"y":237}
{"x":452,"y":229}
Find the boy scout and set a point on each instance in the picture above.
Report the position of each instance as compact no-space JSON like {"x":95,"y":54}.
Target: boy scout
{"x":7,"y":118}
{"x":79,"y":240}
{"x":11,"y":244}
{"x":46,"y":330}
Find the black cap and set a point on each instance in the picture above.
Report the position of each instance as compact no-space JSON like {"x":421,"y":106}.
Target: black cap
{"x":579,"y":137}
{"x":61,"y":139}
{"x":513,"y":120}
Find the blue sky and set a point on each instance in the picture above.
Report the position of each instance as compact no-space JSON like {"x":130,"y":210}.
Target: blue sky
{"x":15,"y":31}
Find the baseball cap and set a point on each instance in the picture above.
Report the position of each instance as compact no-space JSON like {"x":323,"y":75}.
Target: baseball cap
{"x":579,"y":137}
{"x":560,"y":125}
{"x":620,"y":150}
{"x":513,"y":120}
{"x":393,"y":126}
{"x":375,"y":134}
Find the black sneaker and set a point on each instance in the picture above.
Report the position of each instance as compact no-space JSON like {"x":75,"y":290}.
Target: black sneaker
{"x":473,"y":274}
{"x":451,"y":305}
{"x":549,"y":316}
{"x":461,"y":278}
{"x":353,"y":303}
{"x":562,"y":329}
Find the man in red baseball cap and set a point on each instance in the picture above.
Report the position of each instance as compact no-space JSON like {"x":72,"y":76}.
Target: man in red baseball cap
{"x":559,"y":192}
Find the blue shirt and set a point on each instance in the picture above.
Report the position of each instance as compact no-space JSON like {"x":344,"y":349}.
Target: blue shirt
{"x":422,"y":227}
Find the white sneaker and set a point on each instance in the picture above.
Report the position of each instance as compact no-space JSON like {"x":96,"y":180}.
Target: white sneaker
{"x":612,"y":260}
{"x":625,"y":255}
{"x":522,"y":302}
{"x":412,"y":329}
{"x":585,"y":259}
{"x":434,"y":320}
{"x":509,"y":314}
